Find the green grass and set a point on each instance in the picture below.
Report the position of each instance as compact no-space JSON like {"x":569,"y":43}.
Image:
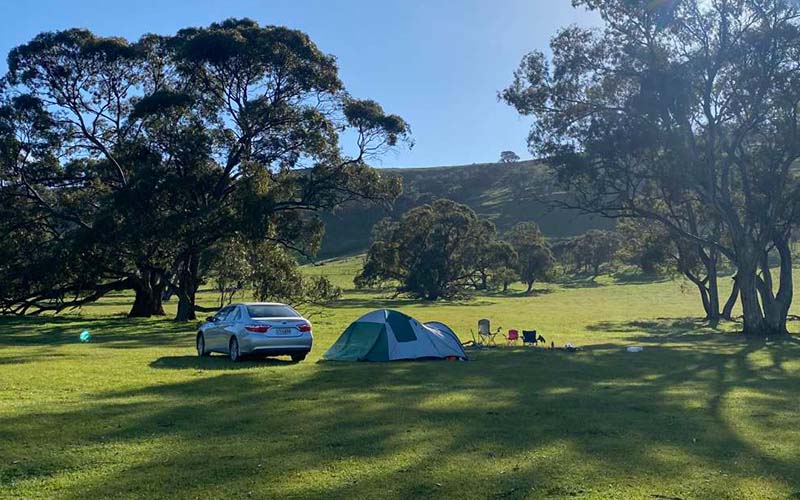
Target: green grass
{"x":134,"y":414}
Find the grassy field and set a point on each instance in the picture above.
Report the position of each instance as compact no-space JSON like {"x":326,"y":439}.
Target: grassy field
{"x":699,"y":414}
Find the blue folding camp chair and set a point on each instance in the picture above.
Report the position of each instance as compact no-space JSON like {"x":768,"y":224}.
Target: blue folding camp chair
{"x":529,"y":337}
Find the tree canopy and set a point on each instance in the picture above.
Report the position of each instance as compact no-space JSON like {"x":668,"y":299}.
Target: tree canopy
{"x":434,"y":251}
{"x":675,"y":109}
{"x":508,"y":157}
{"x":126,"y":163}
{"x":535,"y":261}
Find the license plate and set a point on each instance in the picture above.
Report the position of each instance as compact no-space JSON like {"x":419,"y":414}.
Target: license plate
{"x":284,"y":331}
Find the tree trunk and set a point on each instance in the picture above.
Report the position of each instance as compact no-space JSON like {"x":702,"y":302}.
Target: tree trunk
{"x":530,"y":287}
{"x":709,"y":308}
{"x":188,"y":283}
{"x":186,"y":311}
{"x":765,"y":286}
{"x":776,"y":308}
{"x":701,"y":287}
{"x":149,"y":289}
{"x":712,"y":313}
{"x":727,"y":311}
{"x":754,"y":323}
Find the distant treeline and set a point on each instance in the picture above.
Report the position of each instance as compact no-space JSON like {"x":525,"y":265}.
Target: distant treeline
{"x":504,"y":193}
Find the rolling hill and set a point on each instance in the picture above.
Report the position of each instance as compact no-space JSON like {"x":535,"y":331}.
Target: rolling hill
{"x":505,"y":193}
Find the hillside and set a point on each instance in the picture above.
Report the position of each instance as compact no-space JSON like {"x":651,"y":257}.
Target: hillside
{"x":506,"y":193}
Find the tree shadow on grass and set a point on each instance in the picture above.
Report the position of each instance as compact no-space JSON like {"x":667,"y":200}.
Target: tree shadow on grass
{"x":216,"y":362}
{"x":635,"y":277}
{"x":400,"y":302}
{"x":617,"y":278}
{"x":516,"y":294}
{"x":599,"y":422}
{"x":28,"y":358}
{"x":580,"y":281}
{"x":660,"y":329}
{"x":117,"y":333}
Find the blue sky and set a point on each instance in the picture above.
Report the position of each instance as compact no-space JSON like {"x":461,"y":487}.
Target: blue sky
{"x":437,"y":63}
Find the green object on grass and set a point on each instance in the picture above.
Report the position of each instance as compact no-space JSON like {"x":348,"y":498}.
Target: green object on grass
{"x":85,"y":336}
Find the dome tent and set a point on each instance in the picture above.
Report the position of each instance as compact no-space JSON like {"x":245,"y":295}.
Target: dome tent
{"x":438,"y":325}
{"x":386,"y":335}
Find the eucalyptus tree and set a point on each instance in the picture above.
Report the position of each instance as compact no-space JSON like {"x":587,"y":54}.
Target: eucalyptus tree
{"x":428,"y":253}
{"x":508,"y":157}
{"x":674,"y":105}
{"x":82,"y":87}
{"x":656,"y":250}
{"x":172,"y":144}
{"x":489,"y":255}
{"x":535,"y":260}
{"x":273,"y":107}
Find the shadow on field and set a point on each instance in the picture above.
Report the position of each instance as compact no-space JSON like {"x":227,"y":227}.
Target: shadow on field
{"x":116,"y":333}
{"x":637,"y":278}
{"x":579,"y":282}
{"x":516,"y":294}
{"x":618,"y":278}
{"x":516,"y":421}
{"x":400,"y":302}
{"x":215,"y":362}
{"x":659,"y":329}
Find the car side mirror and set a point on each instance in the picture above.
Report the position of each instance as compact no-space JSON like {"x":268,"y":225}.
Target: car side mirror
{"x":210,"y":319}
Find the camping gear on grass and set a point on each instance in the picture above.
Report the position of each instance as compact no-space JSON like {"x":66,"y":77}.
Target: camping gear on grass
{"x":85,"y":336}
{"x":512,"y":337}
{"x":635,"y":349}
{"x":485,"y":332}
{"x":529,"y":337}
{"x":386,"y":335}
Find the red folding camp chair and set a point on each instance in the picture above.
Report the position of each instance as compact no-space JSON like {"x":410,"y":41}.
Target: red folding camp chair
{"x":512,"y":337}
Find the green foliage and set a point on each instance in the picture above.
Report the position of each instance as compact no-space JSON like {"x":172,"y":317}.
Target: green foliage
{"x":503,"y":277}
{"x":508,"y":157}
{"x":491,"y":256}
{"x":535,"y":261}
{"x":647,"y":245}
{"x":684,"y":113}
{"x":367,"y":116}
{"x":268,"y":272}
{"x":432,"y":251}
{"x":502,"y":193}
{"x":593,"y":250}
{"x":140,"y":157}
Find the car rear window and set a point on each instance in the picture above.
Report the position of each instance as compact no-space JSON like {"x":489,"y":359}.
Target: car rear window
{"x":271,"y":311}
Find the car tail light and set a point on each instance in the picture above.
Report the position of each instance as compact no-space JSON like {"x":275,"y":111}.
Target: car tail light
{"x":257,"y":328}
{"x":304,"y":327}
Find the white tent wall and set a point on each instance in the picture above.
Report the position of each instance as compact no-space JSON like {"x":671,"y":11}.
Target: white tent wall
{"x":444,"y":343}
{"x":429,"y":340}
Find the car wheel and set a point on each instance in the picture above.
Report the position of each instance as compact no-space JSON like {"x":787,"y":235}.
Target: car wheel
{"x":298,"y":357}
{"x":233,"y":350}
{"x":201,"y":346}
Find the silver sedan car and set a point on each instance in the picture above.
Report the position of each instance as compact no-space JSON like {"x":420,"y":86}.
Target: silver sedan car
{"x":263,"y":328}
